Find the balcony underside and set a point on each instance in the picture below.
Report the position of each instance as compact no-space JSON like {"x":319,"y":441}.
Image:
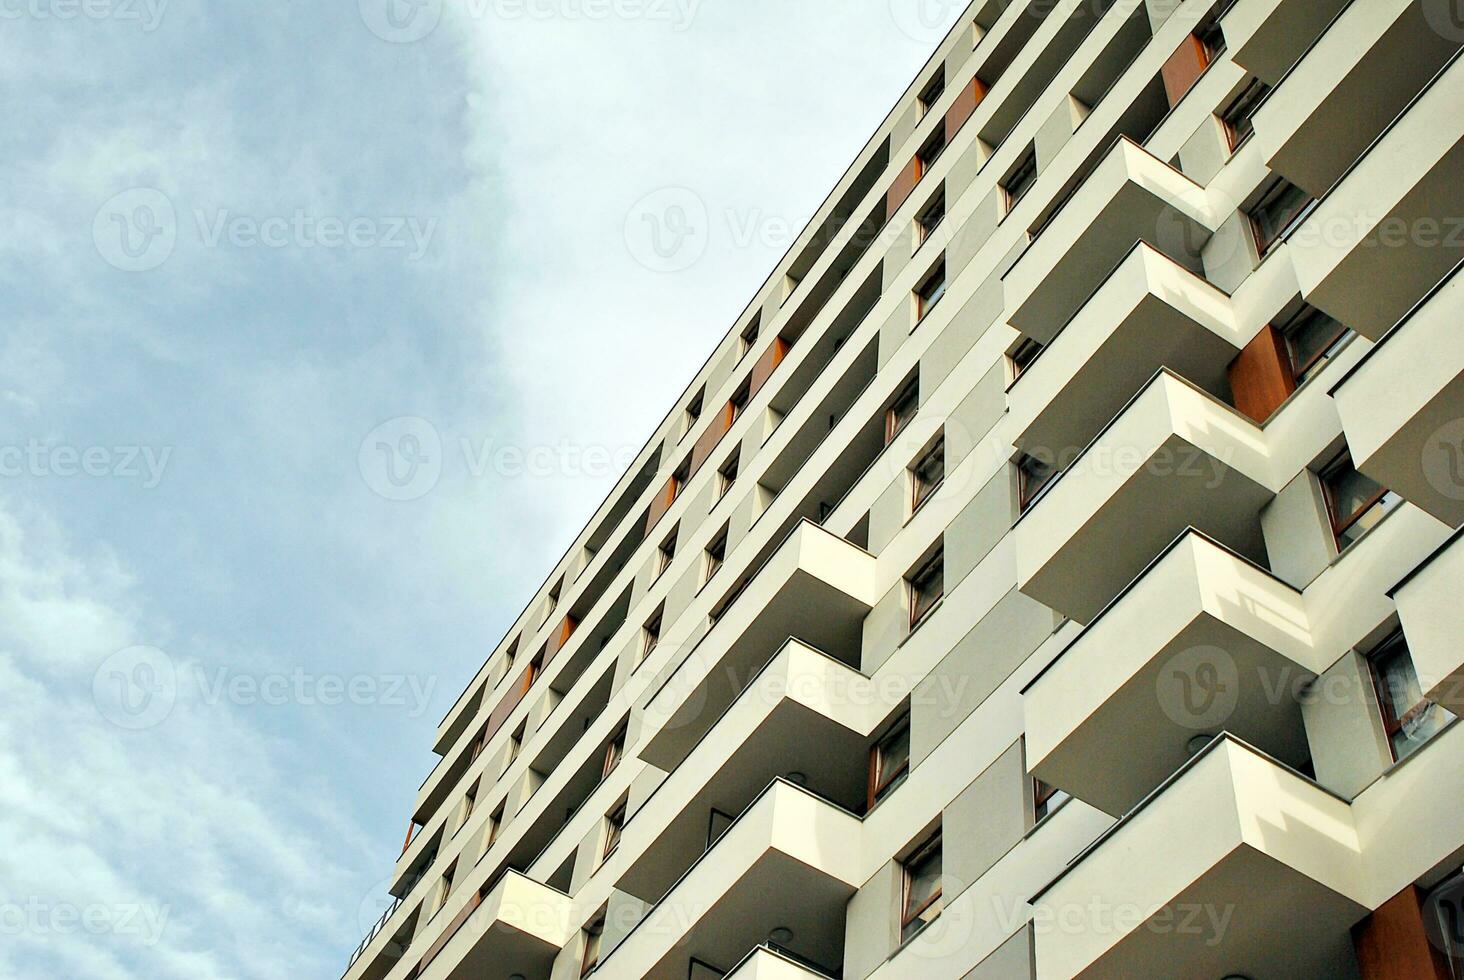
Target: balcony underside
{"x":1267,"y":36}
{"x":1433,"y":622}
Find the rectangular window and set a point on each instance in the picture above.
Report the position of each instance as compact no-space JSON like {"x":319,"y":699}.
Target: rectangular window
{"x":1033,"y":476}
{"x":494,"y":823}
{"x":594,"y":932}
{"x":614,"y":826}
{"x":515,"y":744}
{"x":930,"y":218}
{"x":727,"y":475}
{"x":552,"y":601}
{"x":922,"y":898}
{"x":1409,"y":718}
{"x":1045,"y":799}
{"x":1355,"y":502}
{"x":716,"y":554}
{"x":1211,"y":36}
{"x":1023,"y":355}
{"x":1021,"y":179}
{"x":651,"y":633}
{"x":930,"y":290}
{"x":447,"y":881}
{"x":694,"y":409}
{"x":927,"y":474}
{"x":930,"y":151}
{"x":739,"y":402}
{"x":679,"y":477}
{"x":932,"y":91}
{"x":748,"y":339}
{"x":614,"y":749}
{"x":509,"y":656}
{"x":927,"y":587}
{"x":1279,"y":210}
{"x":898,"y":415}
{"x":1312,"y":339}
{"x":1239,"y":116}
{"x":889,"y":761}
{"x":667,"y":552}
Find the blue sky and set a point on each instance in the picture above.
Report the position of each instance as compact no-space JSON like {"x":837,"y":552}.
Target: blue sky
{"x":244,"y":245}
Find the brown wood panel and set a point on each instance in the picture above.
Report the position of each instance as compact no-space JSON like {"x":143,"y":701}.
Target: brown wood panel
{"x":510,"y":701}
{"x":766,"y":365}
{"x":712,"y":437}
{"x":964,"y":107}
{"x":1261,"y":378}
{"x":1393,"y":942}
{"x":559,"y":638}
{"x":660,"y":504}
{"x":451,"y":931}
{"x":1184,"y":68}
{"x":903,"y":187}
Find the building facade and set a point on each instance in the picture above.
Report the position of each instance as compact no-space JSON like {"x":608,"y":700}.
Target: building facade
{"x":1052,"y":574}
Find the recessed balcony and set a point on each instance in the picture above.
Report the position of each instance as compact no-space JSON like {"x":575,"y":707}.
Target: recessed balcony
{"x":1131,"y":197}
{"x":518,"y":927}
{"x":1174,"y":458}
{"x":1151,"y":313}
{"x":1433,"y":621}
{"x":1267,"y":36}
{"x":805,"y":717}
{"x":765,"y":963}
{"x":789,"y":863}
{"x":1402,"y":406}
{"x":1393,"y":226}
{"x":816,"y":587}
{"x":1361,"y":73}
{"x":1202,"y":642}
{"x":1237,"y":867}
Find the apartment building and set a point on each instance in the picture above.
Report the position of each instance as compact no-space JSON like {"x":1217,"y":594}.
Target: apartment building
{"x":1053,"y":573}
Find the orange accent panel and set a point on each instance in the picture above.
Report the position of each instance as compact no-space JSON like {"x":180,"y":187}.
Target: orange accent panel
{"x":710,"y":439}
{"x":510,"y":701}
{"x":1261,"y":378}
{"x":559,"y":638}
{"x":903,"y":187}
{"x":964,"y":107}
{"x":1184,"y":68}
{"x":766,"y":365}
{"x":1393,"y":942}
{"x":661,"y":503}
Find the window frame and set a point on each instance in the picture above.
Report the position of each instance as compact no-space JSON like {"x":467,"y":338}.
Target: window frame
{"x":715,"y":555}
{"x":1026,"y":169}
{"x":924,"y":225}
{"x":1240,"y":112}
{"x":1266,"y":242}
{"x":923,"y":572}
{"x":930,"y":151}
{"x":908,"y":395}
{"x":614,"y":828}
{"x":932,"y":847}
{"x":880,"y":783}
{"x":1342,"y":524}
{"x":1022,"y":356}
{"x":594,"y":932}
{"x":1393,"y":725}
{"x":931,"y":290}
{"x":651,"y":632}
{"x":725,"y":480}
{"x":1301,"y":371}
{"x":1042,"y":797}
{"x":666,"y":552}
{"x":919,"y":482}
{"x":614,"y":752}
{"x":931,"y":92}
{"x":1028,"y":493}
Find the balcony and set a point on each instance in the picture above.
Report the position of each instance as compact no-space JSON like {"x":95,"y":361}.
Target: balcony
{"x":805,"y":715}
{"x":789,"y":862}
{"x":1267,"y":36}
{"x":1391,"y":227}
{"x":766,"y":963}
{"x":1174,"y":458}
{"x":1151,"y":313}
{"x":1362,"y":72}
{"x":1202,"y":642}
{"x":1130,"y":197}
{"x":1402,"y":403}
{"x":1433,"y":621}
{"x":519,"y":927}
{"x":1236,"y":867}
{"x":815,"y":586}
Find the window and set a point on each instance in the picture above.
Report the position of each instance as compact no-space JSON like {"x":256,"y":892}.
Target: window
{"x":470,"y":800}
{"x":1021,"y":179}
{"x":1239,"y":116}
{"x":1033,"y":476}
{"x":614,"y":826}
{"x":716,"y":554}
{"x":930,"y":290}
{"x":727,"y":475}
{"x":922,"y":899}
{"x":932,"y":91}
{"x":679,"y":477}
{"x":739,"y":402}
{"x":930,"y":151}
{"x":1355,"y":502}
{"x":1312,"y":339}
{"x":927,"y":586}
{"x":447,"y":881}
{"x":552,"y":601}
{"x":1211,"y":36}
{"x":930,"y":218}
{"x":1446,"y":902}
{"x":667,"y":552}
{"x":509,"y":656}
{"x":494,"y":823}
{"x":594,"y":931}
{"x":651,"y":633}
{"x":898,"y":415}
{"x":515,"y":744}
{"x":1409,"y":718}
{"x":1279,"y":210}
{"x":889,"y":761}
{"x":614,"y":749}
{"x":694,"y":409}
{"x":1046,"y":799}
{"x":478,"y":744}
{"x":1023,"y":355}
{"x":927,"y":474}
{"x":749,"y":335}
